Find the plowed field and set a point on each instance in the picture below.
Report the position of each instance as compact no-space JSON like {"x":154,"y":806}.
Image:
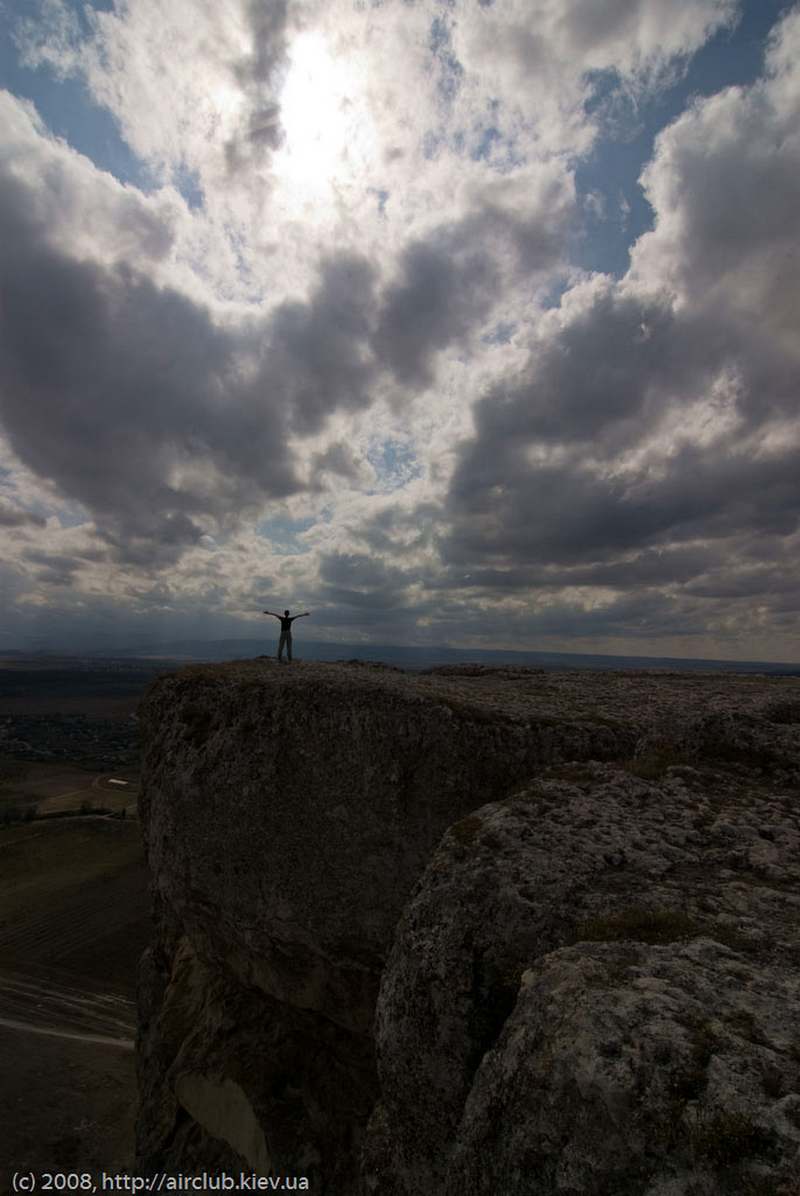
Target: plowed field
{"x":74,"y":919}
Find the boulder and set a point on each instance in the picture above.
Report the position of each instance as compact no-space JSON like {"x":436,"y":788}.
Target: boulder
{"x":594,"y":989}
{"x":287,"y":813}
{"x":470,"y":844}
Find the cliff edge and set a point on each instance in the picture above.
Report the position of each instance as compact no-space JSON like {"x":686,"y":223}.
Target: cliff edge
{"x":463,"y":931}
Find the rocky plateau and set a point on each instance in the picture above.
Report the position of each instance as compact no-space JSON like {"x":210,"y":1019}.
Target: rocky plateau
{"x":472,"y":931}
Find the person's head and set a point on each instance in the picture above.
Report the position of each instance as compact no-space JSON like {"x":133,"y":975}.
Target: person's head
{"x":286,"y":612}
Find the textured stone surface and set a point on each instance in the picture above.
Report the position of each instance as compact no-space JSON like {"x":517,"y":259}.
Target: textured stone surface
{"x":520,"y":1052}
{"x":240,"y":1081}
{"x":288,"y":814}
{"x":289,"y":811}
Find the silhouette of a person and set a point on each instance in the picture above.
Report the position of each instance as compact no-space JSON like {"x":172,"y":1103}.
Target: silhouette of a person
{"x":286,"y":631}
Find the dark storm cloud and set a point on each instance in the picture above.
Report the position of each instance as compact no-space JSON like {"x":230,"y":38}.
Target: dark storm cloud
{"x":644,"y":613}
{"x":55,"y":577}
{"x":136,"y":404}
{"x":131,"y":400}
{"x":435,"y":302}
{"x":58,"y":568}
{"x":641,"y":613}
{"x":648,"y":568}
{"x":320,"y":347}
{"x":540,"y":483}
{"x":53,"y":560}
{"x":395,"y":530}
{"x":566,"y":514}
{"x":611,"y":364}
{"x":361,"y":581}
{"x":258,"y":73}
{"x":260,"y":132}
{"x":268,"y":23}
{"x":447,"y":282}
{"x":13,"y":517}
{"x":358,"y":569}
{"x":108,"y":383}
{"x":338,"y":460}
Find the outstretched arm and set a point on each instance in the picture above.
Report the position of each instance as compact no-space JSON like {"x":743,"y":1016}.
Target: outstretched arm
{"x":304,"y":614}
{"x":270,"y":612}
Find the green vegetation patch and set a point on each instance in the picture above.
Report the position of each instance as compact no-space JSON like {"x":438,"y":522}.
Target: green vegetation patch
{"x":476,"y":713}
{"x":732,"y":757}
{"x":657,"y":927}
{"x":602,"y":720}
{"x":197,"y":720}
{"x":16,"y":810}
{"x":689,"y":1084}
{"x":729,"y":936}
{"x":575,"y":773}
{"x":642,"y":925}
{"x":12,"y":771}
{"x":786,"y":712}
{"x":654,"y":765}
{"x":466,"y":830}
{"x":726,"y":1138}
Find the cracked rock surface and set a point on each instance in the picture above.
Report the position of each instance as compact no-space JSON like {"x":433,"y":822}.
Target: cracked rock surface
{"x":474,"y":930}
{"x":595,"y":988}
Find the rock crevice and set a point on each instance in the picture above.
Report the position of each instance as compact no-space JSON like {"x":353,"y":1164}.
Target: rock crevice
{"x":473,"y":930}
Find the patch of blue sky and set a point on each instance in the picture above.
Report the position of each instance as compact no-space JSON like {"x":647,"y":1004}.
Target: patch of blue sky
{"x":433,"y":142}
{"x":488,"y":137}
{"x":501,"y":334}
{"x":733,"y":57}
{"x":72,"y":518}
{"x":65,"y":104}
{"x":450,"y":69}
{"x":188,"y":183}
{"x":395,"y":464}
{"x":382,"y":197}
{"x":483,"y":142}
{"x":283,"y":533}
{"x":499,"y":152}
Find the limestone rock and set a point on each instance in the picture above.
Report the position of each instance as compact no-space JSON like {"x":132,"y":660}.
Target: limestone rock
{"x":520,"y":1052}
{"x":628,"y":1068}
{"x":289,"y":813}
{"x":242,"y":1082}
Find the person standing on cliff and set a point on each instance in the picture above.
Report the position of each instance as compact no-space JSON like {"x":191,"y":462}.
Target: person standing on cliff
{"x":286,"y":631}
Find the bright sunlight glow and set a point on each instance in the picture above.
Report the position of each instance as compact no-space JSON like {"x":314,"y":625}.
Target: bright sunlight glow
{"x":328,"y":133}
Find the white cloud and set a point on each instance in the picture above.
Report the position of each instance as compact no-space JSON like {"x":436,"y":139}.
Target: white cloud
{"x":662,"y":410}
{"x":355,"y":327}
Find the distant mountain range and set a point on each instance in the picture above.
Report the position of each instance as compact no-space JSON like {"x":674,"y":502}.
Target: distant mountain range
{"x":419,"y":657}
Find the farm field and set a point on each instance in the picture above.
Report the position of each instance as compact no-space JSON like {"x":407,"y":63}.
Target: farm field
{"x":74,"y":920}
{"x":96,"y":693}
{"x":59,"y":786}
{"x":70,"y":889}
{"x":65,"y":1104}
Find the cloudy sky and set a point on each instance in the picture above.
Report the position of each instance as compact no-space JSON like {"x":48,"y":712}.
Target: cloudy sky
{"x":467,"y":322}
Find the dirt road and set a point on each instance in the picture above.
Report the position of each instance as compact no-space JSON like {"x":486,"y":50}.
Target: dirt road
{"x":57,"y":1004}
{"x":74,"y":919}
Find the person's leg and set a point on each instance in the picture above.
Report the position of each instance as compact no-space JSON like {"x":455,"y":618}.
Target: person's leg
{"x":289,"y":645}
{"x":281,"y":644}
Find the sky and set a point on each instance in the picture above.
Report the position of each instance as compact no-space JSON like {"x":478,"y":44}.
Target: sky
{"x":453,"y":322}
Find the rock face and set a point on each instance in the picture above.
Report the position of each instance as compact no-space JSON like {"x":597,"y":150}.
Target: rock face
{"x":592,"y":984}
{"x":573,"y":897}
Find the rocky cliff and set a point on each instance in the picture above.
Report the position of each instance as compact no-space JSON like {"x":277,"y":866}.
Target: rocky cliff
{"x":473,"y":931}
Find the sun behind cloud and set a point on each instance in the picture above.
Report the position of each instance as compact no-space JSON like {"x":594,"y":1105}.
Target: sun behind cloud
{"x":328,"y":133}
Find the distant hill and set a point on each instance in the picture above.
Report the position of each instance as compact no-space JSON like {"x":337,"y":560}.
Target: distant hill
{"x":426,"y":657}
